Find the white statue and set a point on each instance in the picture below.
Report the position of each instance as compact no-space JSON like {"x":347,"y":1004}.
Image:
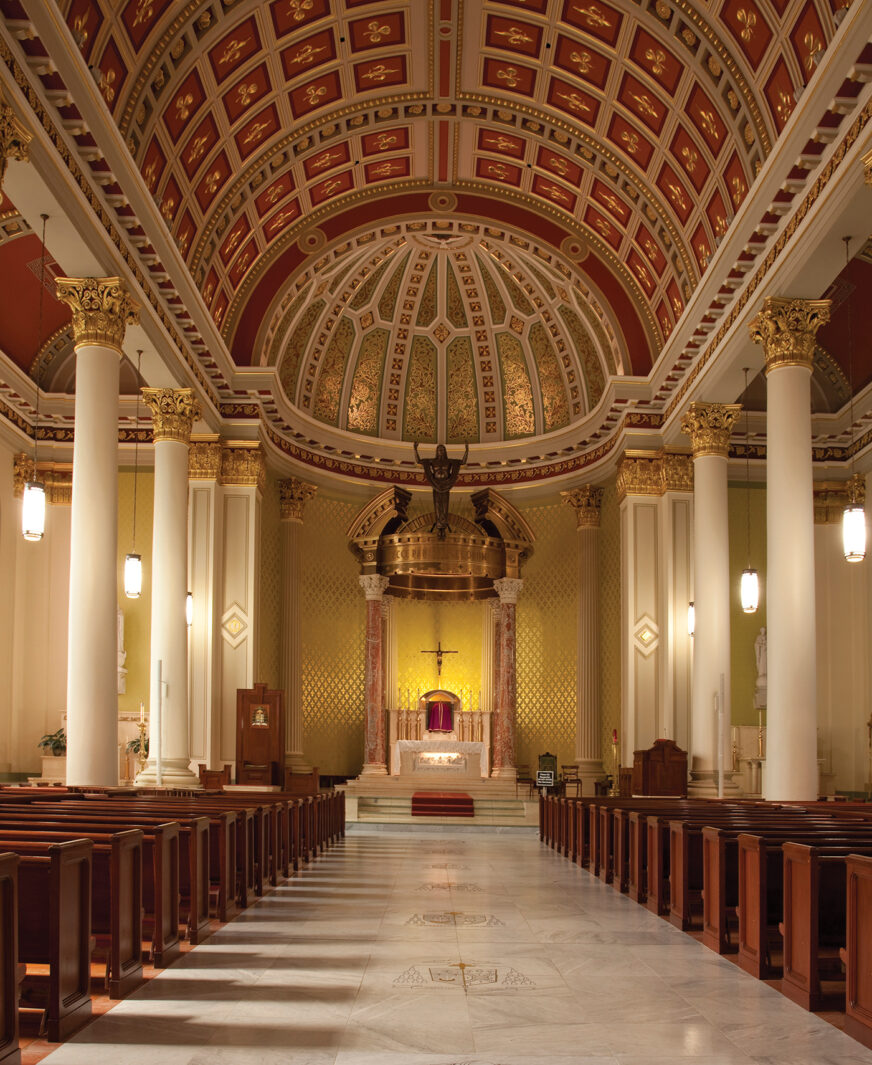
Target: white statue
{"x":122,"y":654}
{"x":760,"y":655}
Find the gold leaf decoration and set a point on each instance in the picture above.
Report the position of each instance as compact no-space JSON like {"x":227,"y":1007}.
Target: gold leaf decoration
{"x":363,"y":406}
{"x":427,"y":306}
{"x":494,"y":299}
{"x":298,"y":345}
{"x":367,"y":290}
{"x":455,"y":311}
{"x":462,"y":406}
{"x":555,"y":404}
{"x":387,"y":305}
{"x":588,"y":357}
{"x":519,"y":416}
{"x":332,"y":372}
{"x":419,"y":409}
{"x":283,"y":326}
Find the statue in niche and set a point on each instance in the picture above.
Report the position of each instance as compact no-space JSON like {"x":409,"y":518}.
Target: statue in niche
{"x":760,"y":655}
{"x":442,"y":473}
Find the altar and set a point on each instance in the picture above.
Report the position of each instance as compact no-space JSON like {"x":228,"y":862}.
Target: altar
{"x":426,"y":759}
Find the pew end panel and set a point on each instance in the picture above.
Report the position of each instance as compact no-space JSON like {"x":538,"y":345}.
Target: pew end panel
{"x":9,"y":966}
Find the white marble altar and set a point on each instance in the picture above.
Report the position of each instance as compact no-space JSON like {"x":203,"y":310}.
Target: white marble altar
{"x":470,"y":759}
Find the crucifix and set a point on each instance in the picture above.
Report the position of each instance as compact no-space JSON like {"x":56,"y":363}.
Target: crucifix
{"x":439,"y":653}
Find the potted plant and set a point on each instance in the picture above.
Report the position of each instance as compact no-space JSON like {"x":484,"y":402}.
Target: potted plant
{"x":54,"y":749}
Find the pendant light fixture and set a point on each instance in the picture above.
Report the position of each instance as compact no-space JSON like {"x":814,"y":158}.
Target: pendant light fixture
{"x":133,"y":561}
{"x":33,"y":501}
{"x":691,"y":618}
{"x":749,"y":589}
{"x":854,"y":514}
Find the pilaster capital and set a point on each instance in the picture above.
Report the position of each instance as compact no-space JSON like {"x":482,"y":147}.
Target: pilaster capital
{"x":243,"y":465}
{"x":640,"y":474}
{"x":293,"y":496}
{"x":102,"y":309}
{"x":508,"y":589}
{"x":787,"y":329}
{"x":831,"y":498}
{"x":173,"y":411}
{"x":586,"y":501}
{"x":709,"y":426}
{"x":373,"y":585}
{"x":676,"y":470}
{"x":204,"y":460}
{"x":14,"y":138}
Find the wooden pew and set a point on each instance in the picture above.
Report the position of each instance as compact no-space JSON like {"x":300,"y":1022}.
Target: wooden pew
{"x":54,"y":929}
{"x":115,"y":895}
{"x":9,"y":966}
{"x":857,"y":952}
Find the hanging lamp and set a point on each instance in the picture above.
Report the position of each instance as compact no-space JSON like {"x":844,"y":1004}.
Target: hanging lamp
{"x":33,"y":500}
{"x":133,"y":561}
{"x":749,"y":588}
{"x":691,"y":618}
{"x":854,"y":514}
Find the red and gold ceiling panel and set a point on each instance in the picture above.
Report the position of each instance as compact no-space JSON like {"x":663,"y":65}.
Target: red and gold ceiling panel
{"x":375,"y":75}
{"x":291,"y":15}
{"x":749,"y":28}
{"x":210,"y":287}
{"x":274,"y":193}
{"x":233,"y":241}
{"x":643,"y":102}
{"x":171,"y":199}
{"x":601,"y":225}
{"x":324,"y":161}
{"x":84,"y":19}
{"x":779,"y":94}
{"x":385,"y":31}
{"x":628,"y":139}
{"x":808,"y":40}
{"x":675,"y":192}
{"x":554,"y":193}
{"x":594,"y":17}
{"x":513,"y":35}
{"x":612,"y":203}
{"x":704,"y":115}
{"x":538,"y":7}
{"x":245,"y":93}
{"x":690,"y":158}
{"x":185,"y":234}
{"x":702,"y":248}
{"x":316,"y":94}
{"x":153,"y":165}
{"x":558,"y":164}
{"x":187,"y":100}
{"x":259,"y":129}
{"x":387,"y":169}
{"x":491,"y":140}
{"x":242,"y":263}
{"x":218,"y":172}
{"x":656,"y":60}
{"x":641,"y":270}
{"x":140,"y":17}
{"x":234,"y":49}
{"x":509,"y":77}
{"x":386,"y":140}
{"x":278,"y":222}
{"x":498,"y":170}
{"x":113,"y":75}
{"x":737,"y":182}
{"x":653,"y":253}
{"x":309,"y":53}
{"x":199,"y":146}
{"x":331,"y":187}
{"x":573,"y":101}
{"x":581,"y":60}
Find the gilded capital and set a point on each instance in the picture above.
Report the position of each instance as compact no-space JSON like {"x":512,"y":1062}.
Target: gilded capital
{"x":508,"y":589}
{"x":293,"y":496}
{"x":676,"y":470}
{"x":640,"y":474}
{"x":373,"y":585}
{"x":173,"y":412}
{"x":102,"y":309}
{"x":14,"y":138}
{"x":709,"y":426}
{"x":204,"y":460}
{"x":787,"y":329}
{"x":586,"y":501}
{"x":243,"y":465}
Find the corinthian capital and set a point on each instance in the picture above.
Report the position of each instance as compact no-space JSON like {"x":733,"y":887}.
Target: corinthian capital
{"x":373,"y":585}
{"x":102,"y":309}
{"x":586,"y":501}
{"x":14,"y":138}
{"x":709,"y":426}
{"x":173,"y":412}
{"x":293,"y":496}
{"x":787,"y":329}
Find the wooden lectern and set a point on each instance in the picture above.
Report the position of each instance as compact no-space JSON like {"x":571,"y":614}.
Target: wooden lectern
{"x":661,"y":770}
{"x":260,"y":736}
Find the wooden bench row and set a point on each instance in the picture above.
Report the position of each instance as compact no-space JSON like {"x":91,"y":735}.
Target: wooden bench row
{"x":85,"y":876}
{"x":786,"y":887}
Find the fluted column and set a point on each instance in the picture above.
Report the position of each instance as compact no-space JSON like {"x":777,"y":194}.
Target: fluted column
{"x":293,"y":496}
{"x":586,"y":502}
{"x":508,"y":589}
{"x":786,"y":328}
{"x":102,"y":308}
{"x":14,"y":140}
{"x":709,"y":426}
{"x":173,"y":414}
{"x":374,"y":585}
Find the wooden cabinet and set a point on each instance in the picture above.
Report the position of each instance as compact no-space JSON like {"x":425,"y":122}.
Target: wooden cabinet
{"x":661,"y":770}
{"x":260,"y":736}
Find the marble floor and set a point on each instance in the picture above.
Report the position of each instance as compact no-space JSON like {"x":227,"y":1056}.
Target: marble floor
{"x":453,"y":947}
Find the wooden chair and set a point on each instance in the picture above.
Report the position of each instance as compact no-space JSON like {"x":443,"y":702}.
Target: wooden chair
{"x":570,"y":780}
{"x":524,"y":779}
{"x":214,"y":779}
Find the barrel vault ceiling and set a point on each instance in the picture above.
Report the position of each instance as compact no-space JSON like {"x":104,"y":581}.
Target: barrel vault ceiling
{"x":458,"y":220}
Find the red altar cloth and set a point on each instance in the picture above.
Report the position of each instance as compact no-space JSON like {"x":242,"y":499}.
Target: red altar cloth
{"x":439,"y":717}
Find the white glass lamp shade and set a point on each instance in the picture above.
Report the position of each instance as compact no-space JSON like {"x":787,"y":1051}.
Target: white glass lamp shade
{"x":133,"y":576}
{"x":691,"y":619}
{"x":854,"y":532}
{"x":189,"y":608}
{"x":749,"y":590}
{"x":33,"y":511}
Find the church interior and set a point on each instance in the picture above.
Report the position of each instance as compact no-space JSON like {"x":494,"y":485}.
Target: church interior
{"x":419,"y":394}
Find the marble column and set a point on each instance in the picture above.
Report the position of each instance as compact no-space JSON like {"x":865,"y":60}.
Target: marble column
{"x":786,"y":328}
{"x":586,"y":502}
{"x":102,"y":308}
{"x":173,"y":414}
{"x":709,"y":426}
{"x":508,"y":589}
{"x":374,"y":764}
{"x":293,"y":496}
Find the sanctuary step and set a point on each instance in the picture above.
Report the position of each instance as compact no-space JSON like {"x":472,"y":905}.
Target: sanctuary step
{"x":396,"y":809}
{"x":442,"y":804}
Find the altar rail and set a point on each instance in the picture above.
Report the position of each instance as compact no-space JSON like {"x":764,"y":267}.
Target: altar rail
{"x":470,"y":726}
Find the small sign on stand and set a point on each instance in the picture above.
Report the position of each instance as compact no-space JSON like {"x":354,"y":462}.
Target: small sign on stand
{"x":545,"y":779}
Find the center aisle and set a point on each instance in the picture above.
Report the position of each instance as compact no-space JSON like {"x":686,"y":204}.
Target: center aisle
{"x":462,"y":947}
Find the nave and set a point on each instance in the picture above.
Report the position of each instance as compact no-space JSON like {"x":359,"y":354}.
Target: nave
{"x":402,"y":947}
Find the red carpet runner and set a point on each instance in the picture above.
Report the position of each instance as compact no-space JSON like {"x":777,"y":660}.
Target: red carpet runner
{"x":442,"y":804}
